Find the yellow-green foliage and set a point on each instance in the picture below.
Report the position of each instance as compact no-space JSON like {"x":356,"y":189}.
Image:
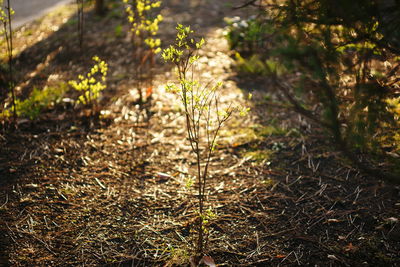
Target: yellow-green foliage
{"x":394,"y":107}
{"x":141,"y":24}
{"x":4,"y":30}
{"x":92,"y":84}
{"x":4,"y":13}
{"x":4,"y":20}
{"x":177,"y":256}
{"x":207,"y":217}
{"x":196,"y":97}
{"x":258,"y":155}
{"x":394,"y":104}
{"x":269,"y":183}
{"x":36,"y":102}
{"x":255,"y":65}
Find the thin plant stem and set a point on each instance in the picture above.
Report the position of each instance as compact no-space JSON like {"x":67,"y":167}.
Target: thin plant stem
{"x":10,"y":48}
{"x":80,"y":22}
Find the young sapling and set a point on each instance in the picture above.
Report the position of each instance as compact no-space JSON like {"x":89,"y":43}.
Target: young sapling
{"x":144,"y":28}
{"x":6,"y":13}
{"x":91,"y":85}
{"x":204,"y":113}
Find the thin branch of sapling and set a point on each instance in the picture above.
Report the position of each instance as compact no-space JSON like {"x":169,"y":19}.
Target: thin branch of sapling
{"x":138,"y":55}
{"x":79,"y":4}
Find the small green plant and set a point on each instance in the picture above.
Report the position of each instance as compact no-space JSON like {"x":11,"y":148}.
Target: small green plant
{"x":144,"y":26}
{"x":205,"y":115}
{"x":91,"y":84}
{"x":247,"y":36}
{"x":118,"y":30}
{"x":37,"y":102}
{"x":5,"y":17}
{"x":207,"y":218}
{"x":255,"y":64}
{"x":394,"y":107}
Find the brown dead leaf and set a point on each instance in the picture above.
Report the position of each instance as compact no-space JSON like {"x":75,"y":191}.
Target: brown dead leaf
{"x":350,"y":248}
{"x":149,"y":91}
{"x":207,"y":260}
{"x":280,"y":256}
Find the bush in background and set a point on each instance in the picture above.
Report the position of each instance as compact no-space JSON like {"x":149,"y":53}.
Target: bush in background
{"x":337,"y":63}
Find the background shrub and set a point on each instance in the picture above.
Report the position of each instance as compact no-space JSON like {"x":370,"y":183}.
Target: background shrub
{"x":337,"y":63}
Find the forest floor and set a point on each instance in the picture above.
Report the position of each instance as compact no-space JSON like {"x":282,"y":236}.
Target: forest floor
{"x":115,"y":192}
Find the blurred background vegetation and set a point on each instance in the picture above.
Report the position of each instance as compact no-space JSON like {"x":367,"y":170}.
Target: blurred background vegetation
{"x":337,"y":63}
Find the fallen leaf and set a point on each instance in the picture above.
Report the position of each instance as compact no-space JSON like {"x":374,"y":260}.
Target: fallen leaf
{"x":149,"y":91}
{"x":32,"y":186}
{"x":163,"y":175}
{"x":192,"y":261}
{"x":333,"y":221}
{"x":333,"y":257}
{"x":207,"y":260}
{"x":350,"y":248}
{"x":392,"y":220}
{"x":280,"y":256}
